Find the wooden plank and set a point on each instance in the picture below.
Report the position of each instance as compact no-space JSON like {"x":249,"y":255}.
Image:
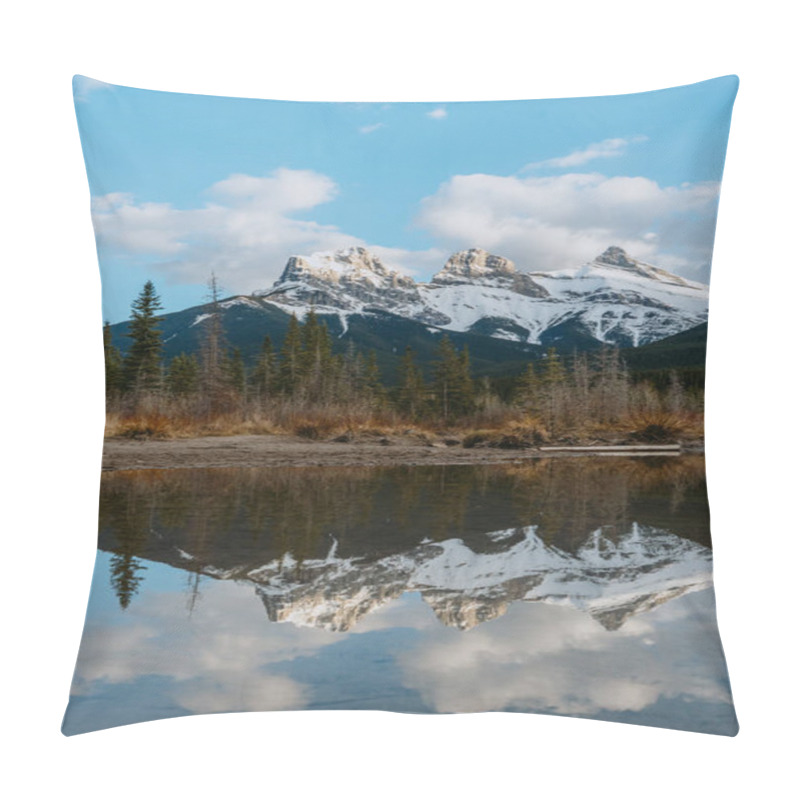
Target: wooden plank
{"x":620,"y":448}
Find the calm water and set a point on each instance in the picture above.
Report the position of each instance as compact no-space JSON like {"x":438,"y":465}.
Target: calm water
{"x":578,"y":587}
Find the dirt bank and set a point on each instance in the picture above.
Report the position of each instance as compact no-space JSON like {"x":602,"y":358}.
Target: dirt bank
{"x":290,"y":451}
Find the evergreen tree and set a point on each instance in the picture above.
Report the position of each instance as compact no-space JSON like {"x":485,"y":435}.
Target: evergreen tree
{"x":554,"y":372}
{"x":236,"y":373}
{"x":183,"y":375}
{"x":465,"y":388}
{"x":142,"y":364}
{"x":553,"y":394}
{"x":579,"y":387}
{"x":315,"y":358}
{"x":453,"y":381}
{"x":113,"y":362}
{"x":290,"y":358}
{"x":264,"y":376}
{"x":527,"y":390}
{"x":373,"y":386}
{"x":212,"y":350}
{"x":411,"y":395}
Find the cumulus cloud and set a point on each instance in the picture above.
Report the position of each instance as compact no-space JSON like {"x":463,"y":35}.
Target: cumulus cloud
{"x":228,"y":657}
{"x":250,"y":225}
{"x":244,"y":233}
{"x":417,"y":263}
{"x":550,"y":222}
{"x":608,"y":148}
{"x":437,"y":113}
{"x":157,"y":639}
{"x":371,"y":128}
{"x":541,"y":657}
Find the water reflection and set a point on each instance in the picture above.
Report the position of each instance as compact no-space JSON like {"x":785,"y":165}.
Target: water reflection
{"x":575,"y":587}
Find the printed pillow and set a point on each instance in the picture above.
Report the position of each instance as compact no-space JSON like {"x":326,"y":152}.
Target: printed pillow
{"x":404,"y":407}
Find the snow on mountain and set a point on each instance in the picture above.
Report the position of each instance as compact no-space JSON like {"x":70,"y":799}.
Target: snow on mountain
{"x":615,"y":299}
{"x":347,"y":280}
{"x":610,"y":579}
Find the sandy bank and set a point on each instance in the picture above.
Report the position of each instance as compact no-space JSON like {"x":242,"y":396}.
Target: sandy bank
{"x":290,"y":451}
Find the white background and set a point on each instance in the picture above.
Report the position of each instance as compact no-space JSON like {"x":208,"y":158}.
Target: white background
{"x":411,"y":50}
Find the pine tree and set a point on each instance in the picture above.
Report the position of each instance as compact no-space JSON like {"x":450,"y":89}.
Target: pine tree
{"x":236,"y":373}
{"x":183,"y":375}
{"x":554,"y":372}
{"x":315,"y":357}
{"x":373,"y":387}
{"x":212,"y":350}
{"x":411,"y":394}
{"x":465,"y":388}
{"x":580,"y":388}
{"x":113,"y":363}
{"x":142,"y":364}
{"x":453,"y":386}
{"x":527,"y":390}
{"x":553,"y":394}
{"x":290,"y":358}
{"x":264,"y":376}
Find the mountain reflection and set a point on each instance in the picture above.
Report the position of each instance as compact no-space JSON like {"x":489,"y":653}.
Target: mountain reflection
{"x":325,"y":547}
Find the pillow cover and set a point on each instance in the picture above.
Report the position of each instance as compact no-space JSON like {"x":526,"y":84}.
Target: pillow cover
{"x":404,"y":407}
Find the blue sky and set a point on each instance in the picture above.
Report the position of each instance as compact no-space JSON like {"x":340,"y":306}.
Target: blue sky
{"x":184,"y":185}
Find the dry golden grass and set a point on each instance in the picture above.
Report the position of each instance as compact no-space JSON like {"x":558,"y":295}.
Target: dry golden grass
{"x":324,"y":424}
{"x":664,"y":426}
{"x":516,"y":430}
{"x":515,"y":433}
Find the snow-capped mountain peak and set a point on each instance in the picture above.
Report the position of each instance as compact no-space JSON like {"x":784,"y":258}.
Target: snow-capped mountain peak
{"x":350,"y":265}
{"x":470,"y":266}
{"x":344,"y":280}
{"x":614,"y":299}
{"x":616,"y":257}
{"x":610,"y":578}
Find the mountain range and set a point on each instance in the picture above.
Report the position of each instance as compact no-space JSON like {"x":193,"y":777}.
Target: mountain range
{"x":505,"y":316}
{"x":614,"y":299}
{"x":611,"y":579}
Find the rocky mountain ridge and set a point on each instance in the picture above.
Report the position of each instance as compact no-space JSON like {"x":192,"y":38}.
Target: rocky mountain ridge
{"x":614,"y":299}
{"x":611,"y":580}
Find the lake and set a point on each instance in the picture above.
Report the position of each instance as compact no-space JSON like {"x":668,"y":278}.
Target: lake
{"x":578,"y":587}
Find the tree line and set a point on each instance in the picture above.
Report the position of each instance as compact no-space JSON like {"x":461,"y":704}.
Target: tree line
{"x":304,"y":373}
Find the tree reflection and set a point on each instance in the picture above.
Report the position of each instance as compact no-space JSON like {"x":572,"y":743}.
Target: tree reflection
{"x":125,"y":577}
{"x":238,"y":519}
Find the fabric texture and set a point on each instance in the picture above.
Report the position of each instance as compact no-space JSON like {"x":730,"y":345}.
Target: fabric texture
{"x":404,"y":407}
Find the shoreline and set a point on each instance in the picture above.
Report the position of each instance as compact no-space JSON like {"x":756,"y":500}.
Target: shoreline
{"x":251,"y":450}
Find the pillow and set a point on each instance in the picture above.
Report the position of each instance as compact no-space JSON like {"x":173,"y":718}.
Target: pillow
{"x":404,"y":407}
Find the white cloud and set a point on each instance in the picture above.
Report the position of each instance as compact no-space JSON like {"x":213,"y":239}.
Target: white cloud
{"x":251,"y":225}
{"x":155,"y":639}
{"x":437,"y":113}
{"x":417,"y":263}
{"x":546,"y":223}
{"x":541,"y":656}
{"x":228,"y":657}
{"x":608,"y":148}
{"x":371,"y":128}
{"x":244,"y":234}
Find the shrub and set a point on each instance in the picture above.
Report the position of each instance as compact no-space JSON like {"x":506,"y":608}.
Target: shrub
{"x":658,"y":427}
